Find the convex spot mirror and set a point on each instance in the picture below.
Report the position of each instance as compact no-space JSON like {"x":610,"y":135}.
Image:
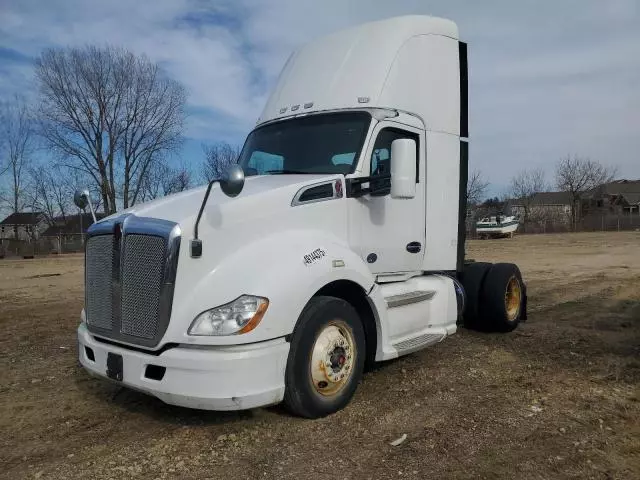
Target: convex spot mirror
{"x":232,"y":181}
{"x":81,"y":198}
{"x":403,"y":168}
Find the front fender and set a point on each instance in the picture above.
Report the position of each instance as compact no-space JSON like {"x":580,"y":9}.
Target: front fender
{"x":287,"y":267}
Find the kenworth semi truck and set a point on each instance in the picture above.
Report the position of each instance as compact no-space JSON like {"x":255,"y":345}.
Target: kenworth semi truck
{"x":337,"y":240}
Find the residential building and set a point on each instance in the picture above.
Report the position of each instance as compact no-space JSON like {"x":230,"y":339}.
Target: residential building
{"x":24,"y":226}
{"x":619,"y":196}
{"x":67,"y":233}
{"x":612,"y":206}
{"x":545,"y":206}
{"x":70,"y":226}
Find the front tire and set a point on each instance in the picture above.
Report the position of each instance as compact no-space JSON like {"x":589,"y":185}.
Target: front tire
{"x":326,"y":358}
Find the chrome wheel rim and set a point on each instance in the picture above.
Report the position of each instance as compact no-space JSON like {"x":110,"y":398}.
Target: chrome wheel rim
{"x":332,"y":358}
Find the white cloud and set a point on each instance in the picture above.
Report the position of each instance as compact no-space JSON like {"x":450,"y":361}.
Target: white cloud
{"x":547,"y":78}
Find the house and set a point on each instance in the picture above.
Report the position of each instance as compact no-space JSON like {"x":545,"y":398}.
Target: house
{"x":70,"y":226}
{"x":25,"y":226}
{"x":546,"y":206}
{"x":619,"y":196}
{"x":66,"y":234}
{"x":611,"y":206}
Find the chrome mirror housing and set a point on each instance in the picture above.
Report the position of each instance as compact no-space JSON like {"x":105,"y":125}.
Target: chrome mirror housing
{"x":232,"y":182}
{"x":82,"y":198}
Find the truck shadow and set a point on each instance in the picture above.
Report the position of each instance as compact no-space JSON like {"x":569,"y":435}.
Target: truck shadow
{"x":125,"y":401}
{"x":597,"y":337}
{"x":564,"y":334}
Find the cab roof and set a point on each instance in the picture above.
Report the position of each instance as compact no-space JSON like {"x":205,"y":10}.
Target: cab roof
{"x":366,"y":66}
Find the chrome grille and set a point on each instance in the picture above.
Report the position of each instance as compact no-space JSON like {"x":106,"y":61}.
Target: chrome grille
{"x":142,"y":267}
{"x":131,"y":265}
{"x":98,"y":279}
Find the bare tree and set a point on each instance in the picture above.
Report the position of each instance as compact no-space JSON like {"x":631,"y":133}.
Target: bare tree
{"x":161,"y":180}
{"x":151,"y":183}
{"x":110,"y":114}
{"x":476,"y":188}
{"x":154,"y":117}
{"x":179,"y":181}
{"x":578,"y":176}
{"x":51,"y":191}
{"x":217,"y":158}
{"x":524,"y":187}
{"x":17,"y":140}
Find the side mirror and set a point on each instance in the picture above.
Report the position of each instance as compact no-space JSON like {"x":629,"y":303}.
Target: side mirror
{"x":403,"y":168}
{"x":232,"y":182}
{"x":81,"y":198}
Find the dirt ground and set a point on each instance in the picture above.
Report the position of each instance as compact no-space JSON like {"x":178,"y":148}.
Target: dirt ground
{"x":557,"y":398}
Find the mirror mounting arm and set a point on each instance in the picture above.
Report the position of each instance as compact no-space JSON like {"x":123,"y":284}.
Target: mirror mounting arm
{"x":356,"y":190}
{"x":196,"y":243}
{"x":93,"y":212}
{"x":231,"y":184}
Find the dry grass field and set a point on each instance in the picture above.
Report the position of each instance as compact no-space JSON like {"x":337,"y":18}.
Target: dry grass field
{"x":558,"y":398}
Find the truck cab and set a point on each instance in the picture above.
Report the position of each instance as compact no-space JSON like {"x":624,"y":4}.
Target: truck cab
{"x":337,"y":240}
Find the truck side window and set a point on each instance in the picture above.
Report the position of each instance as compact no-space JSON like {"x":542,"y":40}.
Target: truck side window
{"x":381,"y":155}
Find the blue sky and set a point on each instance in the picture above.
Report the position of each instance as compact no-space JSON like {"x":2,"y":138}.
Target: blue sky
{"x":546,"y":78}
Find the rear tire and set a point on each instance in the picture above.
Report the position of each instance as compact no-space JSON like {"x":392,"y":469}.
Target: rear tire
{"x":503,"y":294}
{"x":472,"y":279}
{"x":326,"y":358}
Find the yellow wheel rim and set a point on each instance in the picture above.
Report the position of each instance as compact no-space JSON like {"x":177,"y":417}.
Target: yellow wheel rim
{"x":332,"y":358}
{"x":513,"y":298}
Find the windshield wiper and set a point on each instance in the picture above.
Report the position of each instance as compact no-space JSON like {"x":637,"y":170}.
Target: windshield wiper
{"x":285,"y":172}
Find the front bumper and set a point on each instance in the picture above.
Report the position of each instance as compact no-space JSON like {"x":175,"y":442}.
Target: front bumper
{"x":209,"y":378}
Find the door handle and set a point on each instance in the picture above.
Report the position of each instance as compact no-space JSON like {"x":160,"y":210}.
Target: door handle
{"x":414,"y":247}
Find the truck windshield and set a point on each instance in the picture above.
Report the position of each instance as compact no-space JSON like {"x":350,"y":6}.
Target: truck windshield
{"x":325,"y":143}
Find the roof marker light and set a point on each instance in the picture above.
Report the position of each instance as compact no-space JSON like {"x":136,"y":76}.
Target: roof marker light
{"x":363,"y":99}
{"x":283,"y":109}
{"x":295,"y":107}
{"x":308,"y":105}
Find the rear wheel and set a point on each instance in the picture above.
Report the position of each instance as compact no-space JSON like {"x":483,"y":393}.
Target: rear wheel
{"x":472,"y":279}
{"x":503,"y":297}
{"x":326,"y":358}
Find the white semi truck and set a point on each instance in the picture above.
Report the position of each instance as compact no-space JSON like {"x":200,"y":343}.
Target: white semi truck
{"x":336,"y":241}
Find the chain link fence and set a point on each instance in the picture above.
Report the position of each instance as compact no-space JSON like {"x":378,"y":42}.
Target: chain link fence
{"x":593,"y":222}
{"x":50,"y":245}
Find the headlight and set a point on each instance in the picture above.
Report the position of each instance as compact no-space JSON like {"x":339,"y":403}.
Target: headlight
{"x":240,"y":316}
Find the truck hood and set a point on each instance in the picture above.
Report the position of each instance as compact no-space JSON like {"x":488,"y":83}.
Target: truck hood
{"x":260,"y":195}
{"x":244,"y":241}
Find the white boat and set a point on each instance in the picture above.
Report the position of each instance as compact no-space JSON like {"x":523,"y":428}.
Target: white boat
{"x":497,"y":226}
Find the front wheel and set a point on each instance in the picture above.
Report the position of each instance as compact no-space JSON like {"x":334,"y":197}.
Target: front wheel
{"x":326,"y":358}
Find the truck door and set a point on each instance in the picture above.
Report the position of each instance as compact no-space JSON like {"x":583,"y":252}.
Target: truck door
{"x":390,"y":232}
